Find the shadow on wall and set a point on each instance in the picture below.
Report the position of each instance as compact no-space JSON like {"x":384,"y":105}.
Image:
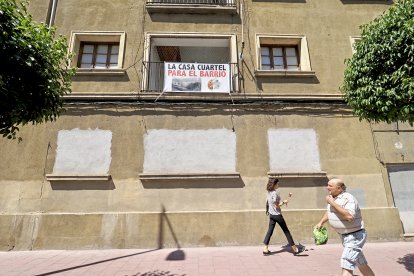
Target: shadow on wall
{"x":83,"y":184}
{"x":201,"y":109}
{"x":95,"y":78}
{"x":178,"y":254}
{"x":201,"y":18}
{"x":386,"y":2}
{"x":308,"y":192}
{"x":408,"y":262}
{"x":304,"y":182}
{"x":193,"y":184}
{"x":282,"y":1}
{"x":300,"y":80}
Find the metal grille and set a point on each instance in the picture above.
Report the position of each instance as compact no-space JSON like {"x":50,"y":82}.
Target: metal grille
{"x":193,"y":2}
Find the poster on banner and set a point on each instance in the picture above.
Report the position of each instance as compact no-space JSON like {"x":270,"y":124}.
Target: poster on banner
{"x":196,"y":77}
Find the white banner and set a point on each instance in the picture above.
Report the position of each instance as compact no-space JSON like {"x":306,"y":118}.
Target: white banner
{"x":196,"y":77}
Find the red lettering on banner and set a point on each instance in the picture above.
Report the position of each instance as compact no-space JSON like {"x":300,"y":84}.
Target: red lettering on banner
{"x":177,"y":73}
{"x":213,"y":74}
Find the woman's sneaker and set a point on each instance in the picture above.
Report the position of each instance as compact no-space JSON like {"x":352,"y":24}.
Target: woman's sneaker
{"x":266,"y":253}
{"x":300,"y":248}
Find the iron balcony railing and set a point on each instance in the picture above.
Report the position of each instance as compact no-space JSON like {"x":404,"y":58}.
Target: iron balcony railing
{"x":226,"y":3}
{"x":154,"y":77}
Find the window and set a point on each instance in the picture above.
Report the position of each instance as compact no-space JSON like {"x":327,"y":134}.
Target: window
{"x":96,"y":55}
{"x":279,"y":58}
{"x":354,"y":39}
{"x":196,"y":51}
{"x":283,"y":55}
{"x":98,"y":52}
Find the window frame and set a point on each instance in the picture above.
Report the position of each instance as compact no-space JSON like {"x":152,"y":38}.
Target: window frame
{"x":353,"y":40}
{"x":300,"y":41}
{"x":270,"y":47}
{"x":79,"y":37}
{"x":94,"y":54}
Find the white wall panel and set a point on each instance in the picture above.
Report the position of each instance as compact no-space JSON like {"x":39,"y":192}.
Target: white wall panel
{"x":293,"y":150}
{"x":193,"y":151}
{"x":83,"y":152}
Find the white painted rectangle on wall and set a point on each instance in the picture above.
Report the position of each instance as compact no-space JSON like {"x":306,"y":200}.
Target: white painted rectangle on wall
{"x":189,"y":151}
{"x":83,"y":152}
{"x":293,"y":150}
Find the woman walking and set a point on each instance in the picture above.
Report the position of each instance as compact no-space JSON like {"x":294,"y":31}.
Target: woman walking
{"x":275,"y":216}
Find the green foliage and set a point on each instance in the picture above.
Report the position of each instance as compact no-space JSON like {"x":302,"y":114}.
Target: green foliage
{"x":34,"y":70}
{"x":379,"y":77}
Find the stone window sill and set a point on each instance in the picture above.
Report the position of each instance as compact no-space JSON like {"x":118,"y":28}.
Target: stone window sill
{"x":71,"y":177}
{"x":185,"y":176}
{"x":273,"y":73}
{"x":99,"y":72}
{"x":297,"y":174}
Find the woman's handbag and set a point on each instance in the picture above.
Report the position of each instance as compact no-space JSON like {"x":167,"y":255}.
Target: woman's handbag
{"x":320,"y":235}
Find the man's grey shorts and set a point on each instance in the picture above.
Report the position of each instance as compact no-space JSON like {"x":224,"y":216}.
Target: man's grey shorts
{"x":352,"y":255}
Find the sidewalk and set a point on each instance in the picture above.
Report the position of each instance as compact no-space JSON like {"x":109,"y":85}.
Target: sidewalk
{"x":388,"y":259}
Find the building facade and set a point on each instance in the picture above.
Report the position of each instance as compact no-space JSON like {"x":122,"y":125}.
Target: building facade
{"x":181,"y":110}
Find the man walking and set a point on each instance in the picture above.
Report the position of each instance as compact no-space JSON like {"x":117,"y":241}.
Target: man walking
{"x":345,"y":217}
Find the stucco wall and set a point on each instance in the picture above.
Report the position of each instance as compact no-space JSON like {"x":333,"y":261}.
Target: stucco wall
{"x":127,"y":211}
{"x":345,"y":149}
{"x":327,"y":25}
{"x":34,"y":205}
{"x":171,"y":229}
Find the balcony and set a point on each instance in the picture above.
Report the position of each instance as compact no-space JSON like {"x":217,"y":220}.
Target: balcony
{"x":192,"y":6}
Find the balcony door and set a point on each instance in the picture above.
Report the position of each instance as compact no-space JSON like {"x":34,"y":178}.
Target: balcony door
{"x":185,"y":49}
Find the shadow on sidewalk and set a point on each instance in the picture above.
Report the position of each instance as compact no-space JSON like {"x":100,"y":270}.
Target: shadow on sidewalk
{"x":286,"y":248}
{"x":94,"y":263}
{"x":158,"y":273}
{"x":176,"y":255}
{"x":408,"y":262}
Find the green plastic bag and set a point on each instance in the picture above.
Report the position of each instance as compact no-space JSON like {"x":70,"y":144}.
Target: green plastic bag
{"x":321,"y":235}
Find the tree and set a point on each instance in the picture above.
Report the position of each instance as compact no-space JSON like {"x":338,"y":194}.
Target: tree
{"x":379,"y":78}
{"x":34,"y":73}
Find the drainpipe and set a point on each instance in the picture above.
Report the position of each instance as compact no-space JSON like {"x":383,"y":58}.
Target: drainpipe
{"x":52,"y":13}
{"x":242,"y":30}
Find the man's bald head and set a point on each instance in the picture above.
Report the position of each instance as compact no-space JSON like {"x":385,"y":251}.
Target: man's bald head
{"x":336,"y":186}
{"x":338,"y":182}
